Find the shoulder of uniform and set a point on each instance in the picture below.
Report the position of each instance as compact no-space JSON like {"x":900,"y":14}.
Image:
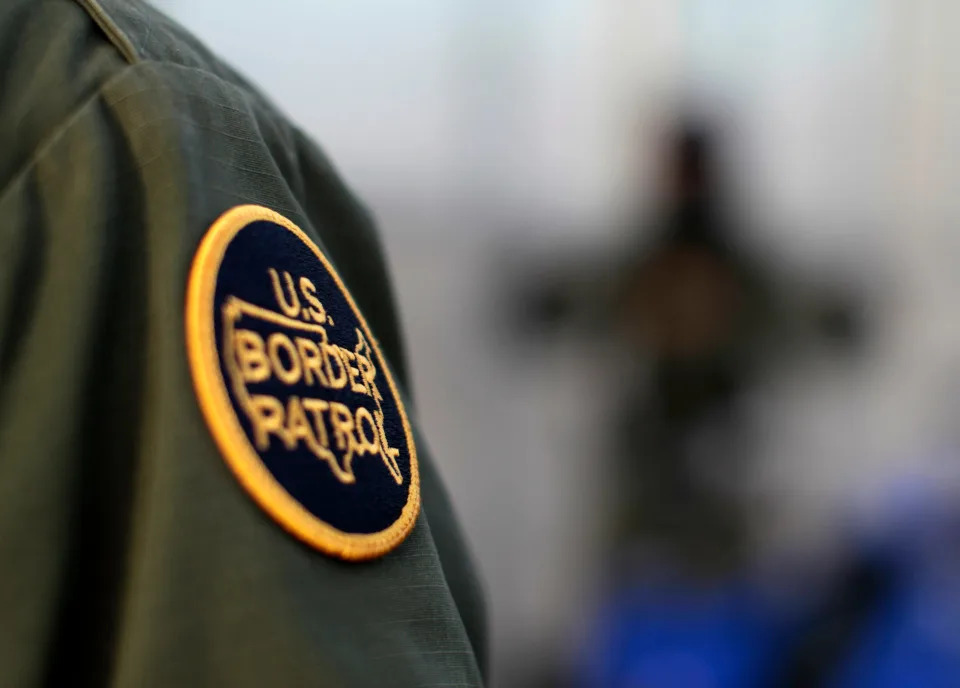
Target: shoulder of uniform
{"x":57,"y":55}
{"x":142,"y":33}
{"x":53,"y":59}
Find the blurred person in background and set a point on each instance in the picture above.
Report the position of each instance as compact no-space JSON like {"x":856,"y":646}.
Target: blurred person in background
{"x":882,"y":609}
{"x":208,"y":475}
{"x":700,"y":317}
{"x":692,"y":304}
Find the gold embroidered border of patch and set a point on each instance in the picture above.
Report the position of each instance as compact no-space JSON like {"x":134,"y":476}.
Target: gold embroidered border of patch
{"x":221,"y":415}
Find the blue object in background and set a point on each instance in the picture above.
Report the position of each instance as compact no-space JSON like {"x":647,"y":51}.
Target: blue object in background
{"x":675,"y":635}
{"x":913,"y":638}
{"x":914,"y":643}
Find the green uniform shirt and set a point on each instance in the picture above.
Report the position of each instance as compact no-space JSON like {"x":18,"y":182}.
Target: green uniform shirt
{"x":130,"y":555}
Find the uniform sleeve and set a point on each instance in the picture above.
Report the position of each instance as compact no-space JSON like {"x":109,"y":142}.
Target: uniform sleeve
{"x":131,"y":555}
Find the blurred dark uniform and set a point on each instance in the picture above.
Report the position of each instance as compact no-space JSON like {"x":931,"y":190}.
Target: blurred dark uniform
{"x":129,"y":555}
{"x":712,"y":316}
{"x":696,"y":305}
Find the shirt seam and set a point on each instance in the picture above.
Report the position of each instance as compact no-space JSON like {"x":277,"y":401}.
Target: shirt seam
{"x":117,"y":37}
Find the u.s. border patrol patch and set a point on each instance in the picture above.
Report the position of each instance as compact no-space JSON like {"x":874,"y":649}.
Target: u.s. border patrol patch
{"x":295,"y":390}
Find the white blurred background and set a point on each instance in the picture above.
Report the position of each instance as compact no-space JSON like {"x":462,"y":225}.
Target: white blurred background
{"x":472,"y":126}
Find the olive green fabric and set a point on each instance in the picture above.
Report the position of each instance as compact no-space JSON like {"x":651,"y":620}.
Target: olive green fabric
{"x":129,"y":554}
